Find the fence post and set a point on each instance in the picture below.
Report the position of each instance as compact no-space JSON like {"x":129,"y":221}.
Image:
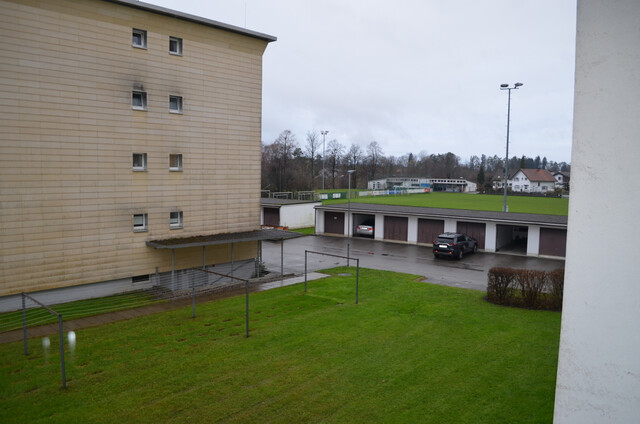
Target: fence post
{"x":24,"y":324}
{"x":357,"y":277}
{"x":64,"y":377}
{"x":305,"y":271}
{"x":193,"y":293}
{"x":246,"y":289}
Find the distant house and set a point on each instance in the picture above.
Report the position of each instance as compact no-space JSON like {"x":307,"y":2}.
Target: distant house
{"x":529,"y":181}
{"x":562,"y":179}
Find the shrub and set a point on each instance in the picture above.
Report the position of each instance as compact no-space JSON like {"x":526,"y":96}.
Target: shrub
{"x":526,"y":288}
{"x":532,"y":283}
{"x":500,"y":285}
{"x":556,"y":288}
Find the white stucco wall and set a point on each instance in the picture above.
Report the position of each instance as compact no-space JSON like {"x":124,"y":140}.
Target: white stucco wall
{"x":490,"y":236}
{"x":599,"y":364}
{"x":533,"y":240}
{"x":298,"y":216}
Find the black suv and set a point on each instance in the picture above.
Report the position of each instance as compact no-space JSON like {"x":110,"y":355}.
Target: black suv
{"x":454,"y":245}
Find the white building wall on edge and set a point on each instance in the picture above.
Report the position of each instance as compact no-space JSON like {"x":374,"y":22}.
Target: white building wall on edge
{"x":598,"y":377}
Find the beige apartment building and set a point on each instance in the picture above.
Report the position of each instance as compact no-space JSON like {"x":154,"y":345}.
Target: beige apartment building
{"x":124,"y":126}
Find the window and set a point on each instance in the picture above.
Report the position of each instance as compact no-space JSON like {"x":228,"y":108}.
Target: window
{"x":175,"y":162}
{"x":139,"y":38}
{"x":140,"y":278}
{"x":175,"y":45}
{"x":175,"y":220}
{"x":139,"y":100}
{"x":140,"y":222}
{"x":175,"y":104}
{"x":139,"y":161}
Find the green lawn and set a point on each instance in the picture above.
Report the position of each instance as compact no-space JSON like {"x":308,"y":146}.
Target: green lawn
{"x":481,"y":202}
{"x":410,"y":352}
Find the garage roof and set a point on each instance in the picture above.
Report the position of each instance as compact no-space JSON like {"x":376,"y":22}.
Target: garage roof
{"x":226,"y":238}
{"x":468,"y":215}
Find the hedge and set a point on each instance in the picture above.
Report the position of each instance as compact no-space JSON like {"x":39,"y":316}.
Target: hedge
{"x":526,"y":288}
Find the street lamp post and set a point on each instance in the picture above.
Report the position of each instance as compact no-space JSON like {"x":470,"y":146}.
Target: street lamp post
{"x":517,"y":85}
{"x":324,"y":135}
{"x":349,"y":229}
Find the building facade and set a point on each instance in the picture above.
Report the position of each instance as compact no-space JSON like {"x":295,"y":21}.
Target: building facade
{"x":123,"y":123}
{"x":529,"y":181}
{"x":457,"y":185}
{"x":598,"y":378}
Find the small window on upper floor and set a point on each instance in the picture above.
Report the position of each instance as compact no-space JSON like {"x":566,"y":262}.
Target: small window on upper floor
{"x":139,"y":38}
{"x":139,"y":161}
{"x":140,"y":222}
{"x":175,"y":220}
{"x":175,"y":162}
{"x":175,"y":45}
{"x":175,"y":104}
{"x":139,"y":100}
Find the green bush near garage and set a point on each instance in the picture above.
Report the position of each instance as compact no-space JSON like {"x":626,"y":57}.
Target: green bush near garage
{"x":526,"y":288}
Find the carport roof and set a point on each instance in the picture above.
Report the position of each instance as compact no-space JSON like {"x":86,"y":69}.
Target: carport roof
{"x":468,"y":215}
{"x":226,"y":238}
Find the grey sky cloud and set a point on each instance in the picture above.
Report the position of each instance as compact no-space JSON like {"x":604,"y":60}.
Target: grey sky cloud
{"x":414,"y":75}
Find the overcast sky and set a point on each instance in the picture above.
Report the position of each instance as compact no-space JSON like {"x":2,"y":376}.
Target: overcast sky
{"x":414,"y":75}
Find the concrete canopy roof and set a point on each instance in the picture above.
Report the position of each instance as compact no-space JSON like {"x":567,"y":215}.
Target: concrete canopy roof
{"x":512,"y":218}
{"x":226,"y":238}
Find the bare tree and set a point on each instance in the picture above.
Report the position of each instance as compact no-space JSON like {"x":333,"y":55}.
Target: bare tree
{"x":354,"y":158}
{"x":285,"y":145}
{"x":374,"y":153}
{"x":311,"y":149}
{"x":335,"y":151}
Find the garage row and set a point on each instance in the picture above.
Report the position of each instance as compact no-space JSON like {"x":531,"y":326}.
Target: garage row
{"x":506,"y":232}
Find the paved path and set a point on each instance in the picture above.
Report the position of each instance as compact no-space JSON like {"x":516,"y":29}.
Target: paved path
{"x":470,"y":272}
{"x":75,"y":324}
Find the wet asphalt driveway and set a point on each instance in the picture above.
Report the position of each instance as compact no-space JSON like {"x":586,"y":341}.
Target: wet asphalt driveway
{"x":470,"y":272}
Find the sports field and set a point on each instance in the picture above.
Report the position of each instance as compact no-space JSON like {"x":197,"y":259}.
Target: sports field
{"x":409,"y":352}
{"x":481,"y":202}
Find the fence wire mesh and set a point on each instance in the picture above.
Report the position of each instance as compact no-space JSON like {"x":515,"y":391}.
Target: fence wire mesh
{"x":160,"y":287}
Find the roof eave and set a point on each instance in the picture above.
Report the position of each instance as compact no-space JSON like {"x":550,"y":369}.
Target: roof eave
{"x":193,"y":18}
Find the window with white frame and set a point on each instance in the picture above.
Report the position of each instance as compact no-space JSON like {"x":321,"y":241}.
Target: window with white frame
{"x":140,"y":222}
{"x":175,"y":220}
{"x":139,"y":100}
{"x":175,"y":46}
{"x":175,"y":162}
{"x":175,"y":104}
{"x":139,"y":161}
{"x":139,"y":38}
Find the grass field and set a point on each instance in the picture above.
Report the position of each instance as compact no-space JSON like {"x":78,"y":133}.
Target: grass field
{"x":410,"y":352}
{"x":481,"y":202}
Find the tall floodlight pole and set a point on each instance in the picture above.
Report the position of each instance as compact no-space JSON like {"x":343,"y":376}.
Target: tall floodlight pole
{"x":505,"y":208}
{"x":324,"y":135}
{"x":349,"y":229}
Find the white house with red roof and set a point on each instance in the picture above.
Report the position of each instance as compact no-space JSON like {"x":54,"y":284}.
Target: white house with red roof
{"x":530,"y":181}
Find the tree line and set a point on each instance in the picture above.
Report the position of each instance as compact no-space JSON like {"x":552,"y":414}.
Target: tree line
{"x":292,"y":165}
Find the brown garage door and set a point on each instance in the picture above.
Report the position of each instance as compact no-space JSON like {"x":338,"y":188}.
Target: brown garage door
{"x":272,"y":216}
{"x":396,"y":228}
{"x":476,"y":230}
{"x":429,"y":229}
{"x":334,"y":222}
{"x":553,"y":242}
